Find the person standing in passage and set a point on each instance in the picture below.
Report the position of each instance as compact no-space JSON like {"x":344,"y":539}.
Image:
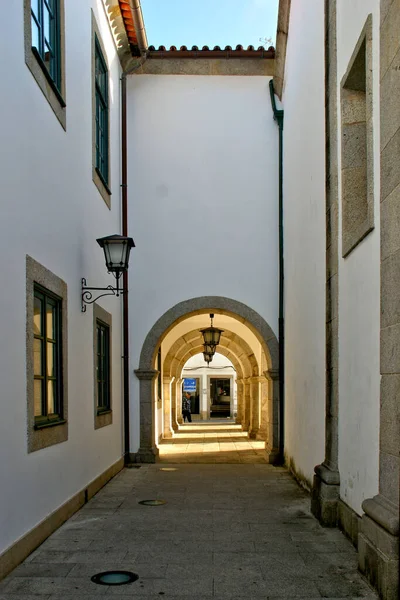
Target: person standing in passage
{"x":186,"y":414}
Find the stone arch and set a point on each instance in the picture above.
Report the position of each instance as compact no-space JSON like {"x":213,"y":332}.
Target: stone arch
{"x":181,"y":311}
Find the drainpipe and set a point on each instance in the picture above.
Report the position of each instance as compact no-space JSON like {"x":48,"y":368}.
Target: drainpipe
{"x":278,"y":117}
{"x":125,"y":317}
{"x":124,"y":207}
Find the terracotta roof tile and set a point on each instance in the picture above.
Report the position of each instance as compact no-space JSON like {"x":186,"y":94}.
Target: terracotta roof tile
{"x":206,"y":52}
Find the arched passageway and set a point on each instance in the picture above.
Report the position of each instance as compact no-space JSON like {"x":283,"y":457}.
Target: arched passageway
{"x":249,"y":343}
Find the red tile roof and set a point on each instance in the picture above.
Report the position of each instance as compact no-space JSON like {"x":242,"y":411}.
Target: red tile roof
{"x":206,"y":52}
{"x":127,"y":16}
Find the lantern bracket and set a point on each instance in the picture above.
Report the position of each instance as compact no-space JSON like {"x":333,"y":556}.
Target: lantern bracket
{"x":87,"y":296}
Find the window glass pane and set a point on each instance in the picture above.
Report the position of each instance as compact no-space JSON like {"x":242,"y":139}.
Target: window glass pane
{"x":35,"y":8}
{"x":37,"y":312}
{"x":51,"y":349}
{"x":35,"y":35}
{"x":51,"y":321}
{"x":37,"y":397}
{"x":46,"y":23}
{"x":37,"y":357}
{"x":51,"y":408}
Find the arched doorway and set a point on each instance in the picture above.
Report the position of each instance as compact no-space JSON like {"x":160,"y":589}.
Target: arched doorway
{"x":147,"y":371}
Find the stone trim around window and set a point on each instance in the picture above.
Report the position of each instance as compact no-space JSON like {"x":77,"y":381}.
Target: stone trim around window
{"x":357,"y":144}
{"x":105,"y":191}
{"x":54,"y":97}
{"x":99,"y":314}
{"x":57,"y":433}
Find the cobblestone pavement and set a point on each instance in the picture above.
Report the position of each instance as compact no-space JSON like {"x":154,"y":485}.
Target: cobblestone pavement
{"x":237,"y":531}
{"x":213,"y":441}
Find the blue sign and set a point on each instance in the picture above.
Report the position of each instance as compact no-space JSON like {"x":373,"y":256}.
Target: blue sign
{"x":189,"y":384}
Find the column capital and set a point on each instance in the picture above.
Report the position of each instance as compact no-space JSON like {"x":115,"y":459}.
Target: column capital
{"x":272,"y":374}
{"x":146,"y":374}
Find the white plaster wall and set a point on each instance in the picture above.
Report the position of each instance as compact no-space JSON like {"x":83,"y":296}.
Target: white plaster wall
{"x":52,"y":211}
{"x":304,"y":237}
{"x":202,"y":198}
{"x":359,"y":301}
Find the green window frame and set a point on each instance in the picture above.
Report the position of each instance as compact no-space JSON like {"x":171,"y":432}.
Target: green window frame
{"x":101,"y":115}
{"x":47,"y":357}
{"x":46,"y":37}
{"x":103,"y":367}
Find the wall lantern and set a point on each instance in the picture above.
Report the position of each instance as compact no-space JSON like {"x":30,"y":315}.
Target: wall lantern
{"x":211,"y":335}
{"x":117,"y":249}
{"x":207,"y":357}
{"x":209,"y":349}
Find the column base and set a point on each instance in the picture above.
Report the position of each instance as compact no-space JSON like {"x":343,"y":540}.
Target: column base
{"x":274,"y":457}
{"x":325,"y":495}
{"x":253,"y":434}
{"x":144,"y":455}
{"x":378,"y":546}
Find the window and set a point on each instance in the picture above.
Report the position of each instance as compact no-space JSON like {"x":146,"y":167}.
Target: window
{"x":101,"y":95}
{"x":103,"y":367}
{"x":46,"y":42}
{"x":100,"y":117}
{"x":44,"y":50}
{"x":357,"y":145}
{"x":47,"y":387}
{"x":46,"y":357}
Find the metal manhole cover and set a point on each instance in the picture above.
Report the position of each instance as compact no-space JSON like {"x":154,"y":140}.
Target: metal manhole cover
{"x":152,"y":502}
{"x":114,"y":577}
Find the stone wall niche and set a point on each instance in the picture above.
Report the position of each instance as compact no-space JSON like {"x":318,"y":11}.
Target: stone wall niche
{"x":357,"y":144}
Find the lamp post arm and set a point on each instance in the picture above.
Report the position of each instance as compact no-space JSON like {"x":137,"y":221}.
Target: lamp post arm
{"x":87,"y":296}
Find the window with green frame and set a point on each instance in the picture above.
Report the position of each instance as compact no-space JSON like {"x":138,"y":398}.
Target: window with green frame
{"x":101,"y":95}
{"x":103,"y":367}
{"x":46,"y":36}
{"x":47,"y":357}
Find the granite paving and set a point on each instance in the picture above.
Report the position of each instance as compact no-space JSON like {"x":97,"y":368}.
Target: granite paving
{"x":227,"y":531}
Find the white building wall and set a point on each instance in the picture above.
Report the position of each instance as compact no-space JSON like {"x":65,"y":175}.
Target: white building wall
{"x":359,"y":300}
{"x":304,"y":238}
{"x":203,"y":198}
{"x":52,"y":211}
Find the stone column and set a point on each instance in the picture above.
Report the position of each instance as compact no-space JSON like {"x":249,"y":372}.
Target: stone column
{"x":246,"y":404}
{"x":326,"y":489}
{"x":174,"y":422}
{"x":264,"y":393}
{"x":272,"y":426}
{"x":240,"y":401}
{"x":167,"y":433}
{"x":148,"y":450}
{"x":254,"y":406}
{"x":178,"y":402}
{"x":378,"y":540}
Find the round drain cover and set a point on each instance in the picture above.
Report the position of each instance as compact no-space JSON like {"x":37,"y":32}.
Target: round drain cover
{"x":114,"y":577}
{"x":152,"y":502}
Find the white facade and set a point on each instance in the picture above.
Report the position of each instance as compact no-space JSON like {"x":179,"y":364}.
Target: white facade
{"x":359,"y":298}
{"x":203,"y":189}
{"x":53,"y":212}
{"x":305,"y":270}
{"x":304,"y":238}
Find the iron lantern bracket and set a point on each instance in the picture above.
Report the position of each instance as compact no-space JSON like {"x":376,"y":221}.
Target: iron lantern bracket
{"x":87,"y":296}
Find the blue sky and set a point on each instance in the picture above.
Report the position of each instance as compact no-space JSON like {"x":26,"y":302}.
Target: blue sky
{"x":209,"y":22}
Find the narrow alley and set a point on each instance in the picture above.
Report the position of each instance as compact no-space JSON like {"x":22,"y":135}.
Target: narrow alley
{"x":225,"y":531}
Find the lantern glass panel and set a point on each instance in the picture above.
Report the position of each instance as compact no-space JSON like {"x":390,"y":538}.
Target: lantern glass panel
{"x":209,"y":349}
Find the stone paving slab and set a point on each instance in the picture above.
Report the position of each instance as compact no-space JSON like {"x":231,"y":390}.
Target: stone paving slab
{"x":227,"y":531}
